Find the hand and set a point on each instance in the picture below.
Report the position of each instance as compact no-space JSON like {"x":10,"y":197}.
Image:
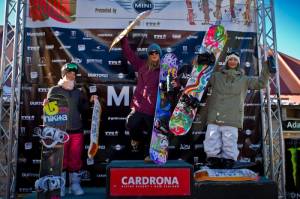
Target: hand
{"x":93,"y":97}
{"x":175,"y":83}
{"x":46,"y":101}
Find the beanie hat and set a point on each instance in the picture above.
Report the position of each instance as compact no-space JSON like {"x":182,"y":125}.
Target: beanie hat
{"x":69,"y":67}
{"x":154,"y":48}
{"x":233,"y":54}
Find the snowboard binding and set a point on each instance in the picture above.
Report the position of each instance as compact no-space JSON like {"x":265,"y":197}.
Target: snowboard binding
{"x":191,"y":101}
{"x":49,"y":183}
{"x":51,"y":136}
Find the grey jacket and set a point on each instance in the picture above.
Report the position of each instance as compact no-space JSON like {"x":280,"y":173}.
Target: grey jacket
{"x":77,"y":105}
{"x":229,"y":90}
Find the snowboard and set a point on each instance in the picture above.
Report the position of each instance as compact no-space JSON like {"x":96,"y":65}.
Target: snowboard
{"x":186,"y":108}
{"x":134,"y":23}
{"x":207,"y":174}
{"x":53,"y":137}
{"x":159,"y":140}
{"x":95,"y":125}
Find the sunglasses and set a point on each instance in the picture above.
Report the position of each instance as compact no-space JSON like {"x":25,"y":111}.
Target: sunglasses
{"x":153,"y":53}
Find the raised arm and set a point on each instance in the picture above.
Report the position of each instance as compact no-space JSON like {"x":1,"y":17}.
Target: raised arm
{"x":130,"y":55}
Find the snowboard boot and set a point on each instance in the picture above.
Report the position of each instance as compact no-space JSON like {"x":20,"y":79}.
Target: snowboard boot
{"x":227,"y":163}
{"x":63,"y":187}
{"x":214,"y":163}
{"x":75,"y":184}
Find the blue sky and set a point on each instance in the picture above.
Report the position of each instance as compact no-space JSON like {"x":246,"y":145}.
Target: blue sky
{"x":287,"y":18}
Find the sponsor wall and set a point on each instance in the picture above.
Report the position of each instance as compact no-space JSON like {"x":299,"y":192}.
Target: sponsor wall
{"x":80,"y":31}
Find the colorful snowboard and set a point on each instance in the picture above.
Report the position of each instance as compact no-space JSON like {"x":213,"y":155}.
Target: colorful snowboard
{"x":93,"y":148}
{"x":207,"y":174}
{"x":159,"y":139}
{"x":139,"y":18}
{"x":53,"y":137}
{"x":185,"y":111}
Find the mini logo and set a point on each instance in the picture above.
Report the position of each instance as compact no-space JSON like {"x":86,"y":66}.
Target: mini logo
{"x":142,"y":5}
{"x":76,"y":60}
{"x":49,"y":47}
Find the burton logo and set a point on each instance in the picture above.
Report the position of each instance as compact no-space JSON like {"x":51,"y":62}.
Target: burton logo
{"x":62,"y":11}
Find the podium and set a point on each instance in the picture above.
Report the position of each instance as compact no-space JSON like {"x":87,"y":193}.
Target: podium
{"x":262,"y":188}
{"x":136,"y":179}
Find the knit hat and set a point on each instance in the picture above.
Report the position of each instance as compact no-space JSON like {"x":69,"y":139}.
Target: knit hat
{"x":232,"y":54}
{"x":68,"y":67}
{"x":154,"y":48}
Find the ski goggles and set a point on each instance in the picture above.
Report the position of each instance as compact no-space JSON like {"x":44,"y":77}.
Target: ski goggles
{"x":153,"y":53}
{"x":233,"y":52}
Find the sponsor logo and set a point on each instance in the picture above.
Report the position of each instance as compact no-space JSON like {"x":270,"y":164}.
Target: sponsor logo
{"x":105,"y":35}
{"x":36,"y":34}
{"x":27,"y":117}
{"x":247,"y":50}
{"x":33,"y":48}
{"x":243,"y":38}
{"x":192,"y":37}
{"x":145,"y":180}
{"x":198,"y":132}
{"x":102,"y":147}
{"x":99,"y":49}
{"x":59,"y":60}
{"x":81,"y":47}
{"x":141,"y":49}
{"x":111,"y":133}
{"x":76,"y":60}
{"x":65,"y":47}
{"x":37,"y":103}
{"x":115,"y":63}
{"x":56,"y":118}
{"x":142,"y":5}
{"x":176,"y":36}
{"x":98,"y":61}
{"x":164,"y":36}
{"x":43,"y":90}
{"x":185,"y":147}
{"x":118,"y":147}
{"x":28,"y":145}
{"x":150,"y":181}
{"x":30,"y":175}
{"x":33,"y":75}
{"x":171,"y":147}
{"x":99,"y":75}
{"x":116,"y":118}
{"x":139,"y":35}
{"x":36,"y":162}
{"x":73,"y":34}
{"x":57,"y":33}
{"x":116,"y":49}
{"x":49,"y":47}
{"x":25,"y":190}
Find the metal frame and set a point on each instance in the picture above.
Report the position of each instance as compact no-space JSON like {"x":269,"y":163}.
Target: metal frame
{"x":13,"y":34}
{"x":273,"y":143}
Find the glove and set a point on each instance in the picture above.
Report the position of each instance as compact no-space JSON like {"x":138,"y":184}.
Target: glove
{"x":271,"y":64}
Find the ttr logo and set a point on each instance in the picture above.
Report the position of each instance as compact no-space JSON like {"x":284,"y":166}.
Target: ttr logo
{"x":62,"y":11}
{"x":142,"y":5}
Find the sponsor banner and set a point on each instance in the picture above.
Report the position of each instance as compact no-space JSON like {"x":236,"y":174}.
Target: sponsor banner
{"x":150,"y":182}
{"x":292,"y":168}
{"x":291,"y":125}
{"x":190,"y":15}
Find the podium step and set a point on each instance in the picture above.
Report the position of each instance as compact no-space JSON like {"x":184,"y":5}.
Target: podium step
{"x":262,"y":188}
{"x":135,"y":179}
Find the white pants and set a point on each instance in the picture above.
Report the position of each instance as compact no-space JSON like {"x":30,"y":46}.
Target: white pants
{"x":221,"y":142}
